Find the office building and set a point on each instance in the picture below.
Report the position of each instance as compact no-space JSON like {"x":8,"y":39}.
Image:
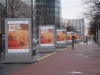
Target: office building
{"x":48,"y":12}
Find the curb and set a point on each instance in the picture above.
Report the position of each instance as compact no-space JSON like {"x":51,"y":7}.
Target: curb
{"x":46,"y":56}
{"x":51,"y":54}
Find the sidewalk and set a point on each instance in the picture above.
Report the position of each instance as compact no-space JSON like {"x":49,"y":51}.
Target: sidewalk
{"x":83,"y":60}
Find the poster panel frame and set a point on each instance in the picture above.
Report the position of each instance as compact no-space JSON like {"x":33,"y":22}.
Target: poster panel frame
{"x":47,"y":46}
{"x":18,"y":56}
{"x":63,"y":44}
{"x":69,"y":42}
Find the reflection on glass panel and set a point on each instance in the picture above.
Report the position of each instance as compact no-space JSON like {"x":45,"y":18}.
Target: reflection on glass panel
{"x":51,"y":20}
{"x":47,"y":19}
{"x":58,"y":0}
{"x":47,"y":2}
{"x":51,"y":8}
{"x":50,"y":14}
{"x":56,"y":14}
{"x":47,"y":8}
{"x":41,"y":7}
{"x":56,"y":9}
{"x":57,"y":4}
{"x":47,"y":13}
{"x":51,"y":2}
{"x":44,"y":1}
{"x":40,"y":1}
{"x":55,"y":19}
{"x":59,"y":10}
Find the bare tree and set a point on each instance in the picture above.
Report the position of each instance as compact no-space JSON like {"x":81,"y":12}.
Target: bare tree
{"x":92,"y":7}
{"x":18,"y":8}
{"x":93,"y":13}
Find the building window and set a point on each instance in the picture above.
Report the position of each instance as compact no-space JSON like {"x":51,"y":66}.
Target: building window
{"x":47,"y":8}
{"x":40,"y":1}
{"x":56,"y":14}
{"x":56,"y":9}
{"x":52,"y":2}
{"x":57,"y":3}
{"x":51,"y":8}
{"x":44,"y":1}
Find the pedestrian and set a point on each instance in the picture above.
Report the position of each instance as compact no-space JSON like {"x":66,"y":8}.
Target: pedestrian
{"x":87,"y":40}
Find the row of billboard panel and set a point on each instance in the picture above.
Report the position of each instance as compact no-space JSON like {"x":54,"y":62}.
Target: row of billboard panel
{"x":18,"y":39}
{"x":47,"y":36}
{"x":18,"y":36}
{"x":76,"y":35}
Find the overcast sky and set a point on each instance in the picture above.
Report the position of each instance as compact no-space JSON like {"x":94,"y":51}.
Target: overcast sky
{"x":71,"y":9}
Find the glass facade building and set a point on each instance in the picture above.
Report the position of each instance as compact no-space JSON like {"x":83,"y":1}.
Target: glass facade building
{"x":48,"y":12}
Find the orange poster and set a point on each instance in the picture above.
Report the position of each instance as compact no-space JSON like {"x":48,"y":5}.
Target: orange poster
{"x":61,"y":36}
{"x":46,"y":36}
{"x":18,"y":35}
{"x":69,"y":36}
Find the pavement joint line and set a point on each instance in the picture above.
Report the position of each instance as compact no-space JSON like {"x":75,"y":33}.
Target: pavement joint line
{"x":50,"y":54}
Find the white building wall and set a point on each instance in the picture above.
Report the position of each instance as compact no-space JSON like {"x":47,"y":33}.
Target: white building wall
{"x":78,"y":25}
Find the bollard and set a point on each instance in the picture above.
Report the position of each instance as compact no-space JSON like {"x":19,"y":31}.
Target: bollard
{"x":72,"y":42}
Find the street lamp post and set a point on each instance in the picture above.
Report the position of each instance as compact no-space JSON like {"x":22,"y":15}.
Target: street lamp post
{"x":6,"y":2}
{"x":33,"y":17}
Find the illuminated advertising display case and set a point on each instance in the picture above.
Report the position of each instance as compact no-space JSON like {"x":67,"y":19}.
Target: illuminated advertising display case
{"x":61,"y":38}
{"x":69,"y":37}
{"x":18,"y":36}
{"x":46,"y":38}
{"x":46,"y":34}
{"x":18,"y":40}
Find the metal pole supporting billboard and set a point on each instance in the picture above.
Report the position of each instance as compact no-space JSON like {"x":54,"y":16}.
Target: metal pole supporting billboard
{"x":1,"y":16}
{"x":6,"y":3}
{"x":33,"y":17}
{"x":0,"y":20}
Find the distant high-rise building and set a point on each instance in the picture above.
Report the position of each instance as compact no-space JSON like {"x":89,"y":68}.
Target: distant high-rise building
{"x":48,"y":12}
